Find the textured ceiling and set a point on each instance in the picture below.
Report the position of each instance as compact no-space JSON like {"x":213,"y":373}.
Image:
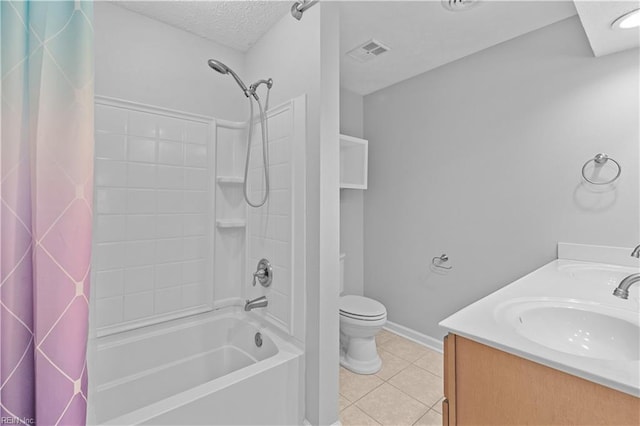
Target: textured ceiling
{"x":597,"y":16}
{"x":424,"y":35}
{"x":236,"y":24}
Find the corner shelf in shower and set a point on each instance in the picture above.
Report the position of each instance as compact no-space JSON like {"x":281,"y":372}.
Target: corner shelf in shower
{"x":231,"y":223}
{"x":230,"y":180}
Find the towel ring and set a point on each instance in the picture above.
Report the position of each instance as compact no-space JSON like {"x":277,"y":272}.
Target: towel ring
{"x":439,"y":260}
{"x":601,"y":159}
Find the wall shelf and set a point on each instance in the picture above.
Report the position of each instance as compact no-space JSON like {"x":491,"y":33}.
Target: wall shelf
{"x":231,"y":223}
{"x":230,"y":180}
{"x":353,"y":162}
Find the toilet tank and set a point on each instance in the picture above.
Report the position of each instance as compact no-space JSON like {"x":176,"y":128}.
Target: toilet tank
{"x":342,"y":256}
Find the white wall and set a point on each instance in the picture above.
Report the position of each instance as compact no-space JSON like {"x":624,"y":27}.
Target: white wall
{"x":351,"y":200}
{"x":143,"y":60}
{"x":481,"y":159}
{"x":290,"y":54}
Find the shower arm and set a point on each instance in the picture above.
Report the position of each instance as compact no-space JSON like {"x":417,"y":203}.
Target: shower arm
{"x":300,"y":6}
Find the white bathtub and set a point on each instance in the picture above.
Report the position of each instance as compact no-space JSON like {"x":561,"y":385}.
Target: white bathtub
{"x":206,"y":369}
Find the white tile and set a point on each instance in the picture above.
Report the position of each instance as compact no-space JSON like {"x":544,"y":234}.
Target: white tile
{"x":283,"y":228}
{"x":170,"y":153}
{"x":139,"y":279}
{"x":141,"y":149}
{"x":169,"y":225}
{"x":111,"y":200}
{"x":141,"y":227}
{"x":144,"y":283}
{"x":194,"y":224}
{"x":280,"y":202}
{"x":170,"y":177}
{"x":139,"y":253}
{"x":110,"y":119}
{"x":141,"y":201}
{"x":168,"y":275}
{"x":196,"y":178}
{"x":196,"y":155}
{"x":195,"y":133}
{"x":109,"y":228}
{"x":168,"y":250}
{"x":280,"y":176}
{"x":170,"y":128}
{"x":109,"y":311}
{"x":279,"y":152}
{"x":192,"y":295}
{"x":195,"y":248}
{"x":279,"y":306}
{"x":142,"y":124}
{"x":110,"y":146}
{"x":109,"y":256}
{"x":168,"y":300}
{"x":196,"y":202}
{"x":193,"y":271}
{"x":281,"y":280}
{"x":170,"y":201}
{"x":141,"y":175}
{"x":110,"y":173}
{"x":109,"y":283}
{"x":138,"y":305}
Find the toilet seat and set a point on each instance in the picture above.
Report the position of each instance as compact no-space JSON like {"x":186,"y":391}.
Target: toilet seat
{"x":361,"y":308}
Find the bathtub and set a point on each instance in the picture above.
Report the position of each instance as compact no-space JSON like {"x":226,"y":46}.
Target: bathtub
{"x":206,"y":369}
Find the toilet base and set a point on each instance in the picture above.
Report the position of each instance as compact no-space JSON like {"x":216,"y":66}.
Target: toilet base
{"x":360,"y":355}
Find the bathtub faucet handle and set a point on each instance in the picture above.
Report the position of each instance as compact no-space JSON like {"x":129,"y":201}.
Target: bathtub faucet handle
{"x":263,"y":274}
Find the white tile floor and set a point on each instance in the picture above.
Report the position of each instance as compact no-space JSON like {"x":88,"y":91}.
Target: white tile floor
{"x":406,"y":391}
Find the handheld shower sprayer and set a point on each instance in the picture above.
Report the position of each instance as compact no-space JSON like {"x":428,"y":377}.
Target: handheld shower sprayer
{"x":223,"y":69}
{"x":252,"y":92}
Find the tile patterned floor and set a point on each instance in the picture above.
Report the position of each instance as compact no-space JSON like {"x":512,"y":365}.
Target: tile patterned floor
{"x":406,"y":391}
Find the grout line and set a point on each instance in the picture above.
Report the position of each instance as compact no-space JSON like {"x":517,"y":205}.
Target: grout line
{"x":421,"y":403}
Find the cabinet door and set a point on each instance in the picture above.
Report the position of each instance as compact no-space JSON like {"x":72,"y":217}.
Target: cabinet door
{"x":493,"y":387}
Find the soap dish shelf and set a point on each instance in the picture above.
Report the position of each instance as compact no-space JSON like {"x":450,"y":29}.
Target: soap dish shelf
{"x":230,"y":180}
{"x":231,"y":223}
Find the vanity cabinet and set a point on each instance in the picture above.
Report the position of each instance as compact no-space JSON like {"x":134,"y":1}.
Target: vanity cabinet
{"x":486,"y":386}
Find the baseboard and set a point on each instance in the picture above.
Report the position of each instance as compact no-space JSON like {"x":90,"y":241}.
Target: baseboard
{"x":422,"y":339}
{"x":307,"y":423}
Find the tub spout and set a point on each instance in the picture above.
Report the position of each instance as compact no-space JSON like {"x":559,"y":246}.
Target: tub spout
{"x":260,"y":302}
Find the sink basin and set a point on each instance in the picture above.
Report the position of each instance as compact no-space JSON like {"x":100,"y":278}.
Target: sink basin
{"x":577,"y":328}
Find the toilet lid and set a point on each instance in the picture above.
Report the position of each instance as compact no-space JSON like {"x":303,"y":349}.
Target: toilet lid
{"x":360,"y":306}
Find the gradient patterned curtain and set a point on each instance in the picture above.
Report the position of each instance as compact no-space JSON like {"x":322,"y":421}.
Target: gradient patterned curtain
{"x":46,"y":172}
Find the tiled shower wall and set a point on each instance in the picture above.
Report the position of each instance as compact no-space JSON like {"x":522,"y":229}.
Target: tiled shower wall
{"x":173,"y":235}
{"x":272,"y":227}
{"x":153,"y":239}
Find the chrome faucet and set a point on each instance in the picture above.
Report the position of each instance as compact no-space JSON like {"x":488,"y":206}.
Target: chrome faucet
{"x":622,"y":291}
{"x":260,"y":302}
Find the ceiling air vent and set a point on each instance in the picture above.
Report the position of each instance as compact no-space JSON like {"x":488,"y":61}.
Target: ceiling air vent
{"x":368,"y":51}
{"x":459,"y":5}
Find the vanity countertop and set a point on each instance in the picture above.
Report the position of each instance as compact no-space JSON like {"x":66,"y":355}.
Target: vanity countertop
{"x":563,"y":315}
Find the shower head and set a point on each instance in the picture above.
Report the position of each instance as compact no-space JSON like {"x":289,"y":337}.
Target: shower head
{"x":223,"y":69}
{"x":218,"y":66}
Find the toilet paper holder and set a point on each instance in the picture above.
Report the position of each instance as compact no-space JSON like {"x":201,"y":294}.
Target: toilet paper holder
{"x":438,"y":261}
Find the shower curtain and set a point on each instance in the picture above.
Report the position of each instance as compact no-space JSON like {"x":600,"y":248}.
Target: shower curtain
{"x":46,"y":172}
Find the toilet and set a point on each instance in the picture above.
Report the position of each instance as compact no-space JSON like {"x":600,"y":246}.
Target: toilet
{"x":361,"y":318}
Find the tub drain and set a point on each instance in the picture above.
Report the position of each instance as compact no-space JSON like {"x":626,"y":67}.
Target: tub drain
{"x":258,"y":339}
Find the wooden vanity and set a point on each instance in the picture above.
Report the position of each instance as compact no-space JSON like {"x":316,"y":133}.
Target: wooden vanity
{"x":487,"y":386}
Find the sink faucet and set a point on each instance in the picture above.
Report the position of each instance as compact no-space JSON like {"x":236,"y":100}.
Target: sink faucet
{"x":260,"y":302}
{"x":622,"y":291}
